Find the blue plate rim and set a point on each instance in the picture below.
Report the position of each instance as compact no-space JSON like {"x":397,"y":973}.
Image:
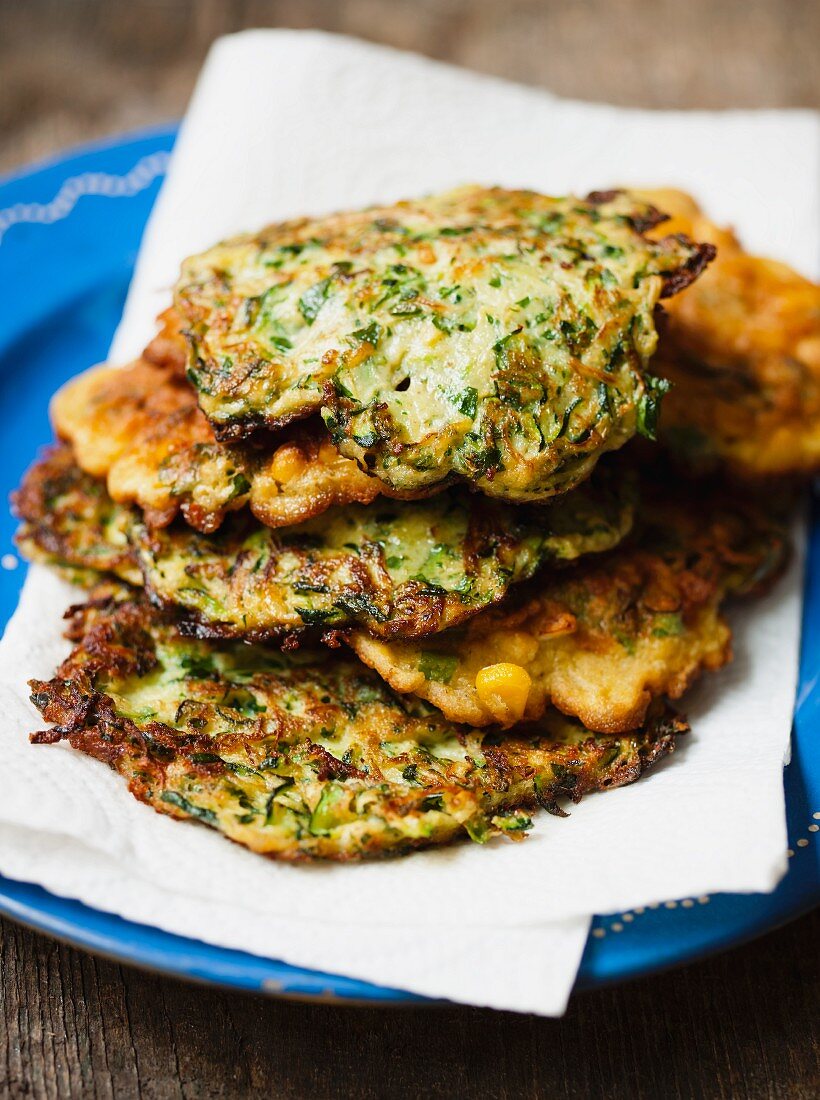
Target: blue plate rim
{"x":150,"y":948}
{"x":167,"y":130}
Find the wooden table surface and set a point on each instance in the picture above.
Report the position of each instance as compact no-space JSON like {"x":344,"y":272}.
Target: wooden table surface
{"x":740,"y":1025}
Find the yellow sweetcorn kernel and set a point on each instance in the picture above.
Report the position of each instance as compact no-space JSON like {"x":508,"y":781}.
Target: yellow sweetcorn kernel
{"x":504,"y":689}
{"x":288,"y":463}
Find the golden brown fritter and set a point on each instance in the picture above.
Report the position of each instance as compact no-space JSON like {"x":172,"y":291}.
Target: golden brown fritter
{"x":70,"y":521}
{"x":309,"y":755}
{"x":601,"y":640}
{"x":168,"y":348}
{"x":499,"y":337}
{"x":402,"y":568}
{"x":398,"y":568}
{"x":140,"y":428}
{"x":742,"y":350}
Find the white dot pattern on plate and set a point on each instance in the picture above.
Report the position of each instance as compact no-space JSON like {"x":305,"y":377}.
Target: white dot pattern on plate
{"x":628,"y":917}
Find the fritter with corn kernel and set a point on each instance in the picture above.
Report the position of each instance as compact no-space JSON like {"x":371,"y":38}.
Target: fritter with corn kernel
{"x":400,"y":568}
{"x":140,"y":428}
{"x":309,"y":755}
{"x":498,"y":337}
{"x":742,"y":351}
{"x":603,"y":639}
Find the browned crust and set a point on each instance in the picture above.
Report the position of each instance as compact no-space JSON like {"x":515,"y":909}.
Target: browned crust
{"x":115,"y":639}
{"x":88,"y":721}
{"x":140,"y":428}
{"x":412,"y":609}
{"x":607,"y":636}
{"x":676,"y":281}
{"x":249,"y":424}
{"x":56,"y":475}
{"x":168,"y":348}
{"x":643,"y":221}
{"x":742,"y":351}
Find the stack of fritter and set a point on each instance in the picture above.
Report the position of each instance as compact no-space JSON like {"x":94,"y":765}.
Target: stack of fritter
{"x":373,"y":560}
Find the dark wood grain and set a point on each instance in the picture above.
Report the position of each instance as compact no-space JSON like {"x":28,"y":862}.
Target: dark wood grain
{"x":74,"y":69}
{"x":741,"y":1025}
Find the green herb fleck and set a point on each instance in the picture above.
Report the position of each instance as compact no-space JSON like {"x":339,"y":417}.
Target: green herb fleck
{"x":371,"y":334}
{"x":313,"y":299}
{"x":198,"y":666}
{"x":478,"y":829}
{"x":649,"y":406}
{"x":313,"y":616}
{"x":438,"y":667}
{"x":667,"y":625}
{"x":466,"y":401}
{"x":199,"y":812}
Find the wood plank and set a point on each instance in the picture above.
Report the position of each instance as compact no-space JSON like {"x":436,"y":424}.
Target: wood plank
{"x":741,"y":1025}
{"x":70,"y":71}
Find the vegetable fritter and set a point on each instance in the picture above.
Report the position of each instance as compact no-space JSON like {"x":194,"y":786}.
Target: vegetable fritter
{"x":601,"y":640}
{"x":742,"y":351}
{"x":500,"y":337}
{"x":140,"y":428}
{"x":70,"y":521}
{"x":309,"y":755}
{"x":402,"y":568}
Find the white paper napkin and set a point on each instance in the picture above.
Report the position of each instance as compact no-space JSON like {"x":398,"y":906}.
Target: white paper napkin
{"x":284,"y":123}
{"x":522,"y":969}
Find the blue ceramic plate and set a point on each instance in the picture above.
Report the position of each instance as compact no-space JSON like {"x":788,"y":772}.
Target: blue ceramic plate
{"x":69,"y":234}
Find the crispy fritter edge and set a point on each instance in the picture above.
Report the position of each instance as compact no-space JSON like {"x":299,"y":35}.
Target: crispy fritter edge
{"x":88,"y":720}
